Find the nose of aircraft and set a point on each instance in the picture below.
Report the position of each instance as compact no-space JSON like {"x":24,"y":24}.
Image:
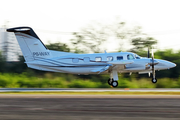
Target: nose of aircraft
{"x":169,"y":64}
{"x":164,"y":64}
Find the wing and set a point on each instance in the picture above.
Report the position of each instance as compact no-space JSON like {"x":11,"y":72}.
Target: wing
{"x":120,"y":62}
{"x":102,"y":69}
{"x":113,"y":64}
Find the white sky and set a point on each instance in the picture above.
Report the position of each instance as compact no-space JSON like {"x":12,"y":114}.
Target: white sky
{"x":159,"y":18}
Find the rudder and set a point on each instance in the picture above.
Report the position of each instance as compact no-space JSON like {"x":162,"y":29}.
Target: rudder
{"x":31,"y":46}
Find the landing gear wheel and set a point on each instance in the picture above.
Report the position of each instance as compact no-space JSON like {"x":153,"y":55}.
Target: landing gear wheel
{"x":110,"y":81}
{"x":154,"y":80}
{"x":114,"y":83}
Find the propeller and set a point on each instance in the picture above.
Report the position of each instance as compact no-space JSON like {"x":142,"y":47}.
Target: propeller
{"x":148,"y":53}
{"x":153,"y":70}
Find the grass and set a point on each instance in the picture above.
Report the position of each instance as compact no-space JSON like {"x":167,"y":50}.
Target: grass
{"x":24,"y":80}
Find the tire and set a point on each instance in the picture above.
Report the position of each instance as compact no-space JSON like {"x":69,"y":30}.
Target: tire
{"x":114,"y":83}
{"x":110,"y":81}
{"x":154,"y":80}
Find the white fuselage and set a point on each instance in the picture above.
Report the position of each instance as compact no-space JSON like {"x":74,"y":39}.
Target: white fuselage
{"x":89,"y":63}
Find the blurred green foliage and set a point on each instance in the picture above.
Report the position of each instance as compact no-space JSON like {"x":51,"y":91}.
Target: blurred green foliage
{"x":58,"y":47}
{"x":141,"y":43}
{"x":12,"y":80}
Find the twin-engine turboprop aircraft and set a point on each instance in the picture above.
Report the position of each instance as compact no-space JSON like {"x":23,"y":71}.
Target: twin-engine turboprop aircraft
{"x":37,"y":56}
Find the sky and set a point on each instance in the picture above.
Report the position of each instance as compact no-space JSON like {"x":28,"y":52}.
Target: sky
{"x":158,"y":18}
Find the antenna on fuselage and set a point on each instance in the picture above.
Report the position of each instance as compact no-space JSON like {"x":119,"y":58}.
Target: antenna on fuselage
{"x":105,"y":51}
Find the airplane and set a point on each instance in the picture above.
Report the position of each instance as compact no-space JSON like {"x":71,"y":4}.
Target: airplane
{"x":38,"y":56}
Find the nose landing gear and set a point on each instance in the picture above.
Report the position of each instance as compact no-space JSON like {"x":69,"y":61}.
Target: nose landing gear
{"x":154,"y":80}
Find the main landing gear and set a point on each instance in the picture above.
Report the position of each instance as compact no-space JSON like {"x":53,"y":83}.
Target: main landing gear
{"x":112,"y":82}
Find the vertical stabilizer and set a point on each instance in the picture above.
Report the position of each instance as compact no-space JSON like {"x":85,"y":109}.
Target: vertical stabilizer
{"x":30,"y":44}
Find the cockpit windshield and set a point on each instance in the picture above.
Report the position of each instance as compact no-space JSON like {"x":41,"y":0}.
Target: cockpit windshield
{"x":130,"y":57}
{"x":137,"y":56}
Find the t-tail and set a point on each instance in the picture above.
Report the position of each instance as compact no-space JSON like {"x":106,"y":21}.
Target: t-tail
{"x":31,"y":46}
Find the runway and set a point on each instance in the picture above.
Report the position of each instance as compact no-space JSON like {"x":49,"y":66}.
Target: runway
{"x":89,"y":108}
{"x":26,"y":106}
{"x":88,"y":90}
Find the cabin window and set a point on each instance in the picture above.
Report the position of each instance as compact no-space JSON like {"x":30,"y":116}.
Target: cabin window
{"x":75,"y":60}
{"x":119,"y":57}
{"x":98,"y":59}
{"x":86,"y":59}
{"x":130,"y":57}
{"x":109,"y":58}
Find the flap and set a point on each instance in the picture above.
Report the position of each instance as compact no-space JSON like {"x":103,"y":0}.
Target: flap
{"x":101,"y":70}
{"x":145,"y":72}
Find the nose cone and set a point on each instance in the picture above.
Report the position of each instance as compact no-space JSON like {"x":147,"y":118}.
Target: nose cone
{"x":166,"y":64}
{"x":171,"y":65}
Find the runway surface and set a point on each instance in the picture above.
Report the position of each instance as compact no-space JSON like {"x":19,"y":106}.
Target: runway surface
{"x":89,"y":108}
{"x":87,"y":90}
{"x":25,"y":106}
